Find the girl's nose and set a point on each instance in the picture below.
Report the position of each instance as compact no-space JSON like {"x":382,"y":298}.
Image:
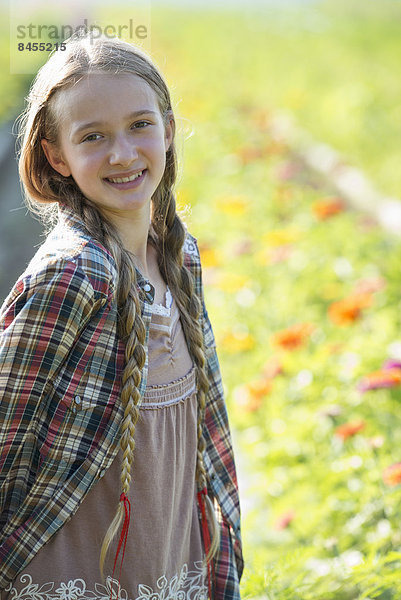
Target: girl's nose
{"x":123,"y":151}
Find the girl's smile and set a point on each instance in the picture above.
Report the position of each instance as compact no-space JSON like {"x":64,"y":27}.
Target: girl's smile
{"x":127,"y":182}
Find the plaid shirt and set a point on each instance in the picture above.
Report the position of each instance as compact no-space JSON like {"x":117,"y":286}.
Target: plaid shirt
{"x":60,"y":412}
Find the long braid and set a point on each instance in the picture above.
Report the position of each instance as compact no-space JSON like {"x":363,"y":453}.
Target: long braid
{"x":131,"y":331}
{"x":180,"y":280}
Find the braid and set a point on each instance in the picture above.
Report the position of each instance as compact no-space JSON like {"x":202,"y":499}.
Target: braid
{"x":131,"y":331}
{"x":181,"y":282}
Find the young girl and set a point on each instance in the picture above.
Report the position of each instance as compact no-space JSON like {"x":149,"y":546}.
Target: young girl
{"x":117,"y":477}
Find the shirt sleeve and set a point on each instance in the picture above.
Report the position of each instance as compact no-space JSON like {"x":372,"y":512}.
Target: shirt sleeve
{"x":219,"y":456}
{"x":37,"y":331}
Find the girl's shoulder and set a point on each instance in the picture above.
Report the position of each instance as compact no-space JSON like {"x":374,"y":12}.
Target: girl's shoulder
{"x":66,"y":254}
{"x":66,"y":245}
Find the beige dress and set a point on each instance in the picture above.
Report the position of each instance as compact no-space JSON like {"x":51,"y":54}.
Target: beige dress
{"x":163,"y":557}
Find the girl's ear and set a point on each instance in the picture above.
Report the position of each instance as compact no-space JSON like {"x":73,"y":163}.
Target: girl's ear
{"x":55,"y":158}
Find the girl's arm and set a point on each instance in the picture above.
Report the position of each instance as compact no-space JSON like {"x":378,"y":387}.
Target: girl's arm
{"x":39,"y":322}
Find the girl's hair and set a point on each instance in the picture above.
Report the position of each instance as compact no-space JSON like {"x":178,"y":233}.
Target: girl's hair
{"x":45,"y":188}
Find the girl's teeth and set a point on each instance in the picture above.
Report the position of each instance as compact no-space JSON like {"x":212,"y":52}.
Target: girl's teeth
{"x":125,"y":179}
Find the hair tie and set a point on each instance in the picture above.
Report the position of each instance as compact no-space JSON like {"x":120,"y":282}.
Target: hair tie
{"x":122,"y":540}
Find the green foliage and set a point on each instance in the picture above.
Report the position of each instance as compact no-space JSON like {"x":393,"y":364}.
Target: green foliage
{"x":320,"y":522}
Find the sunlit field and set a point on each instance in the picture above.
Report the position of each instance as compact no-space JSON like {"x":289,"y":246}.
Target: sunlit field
{"x":303,"y":292}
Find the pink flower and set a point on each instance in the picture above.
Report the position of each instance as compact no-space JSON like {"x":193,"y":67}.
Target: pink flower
{"x":284,"y":520}
{"x":384,"y":378}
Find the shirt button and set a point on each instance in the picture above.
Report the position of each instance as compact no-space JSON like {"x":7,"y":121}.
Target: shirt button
{"x":102,"y":473}
{"x":77,"y":399}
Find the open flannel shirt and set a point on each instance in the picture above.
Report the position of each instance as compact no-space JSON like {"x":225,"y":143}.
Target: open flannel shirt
{"x":60,"y":412}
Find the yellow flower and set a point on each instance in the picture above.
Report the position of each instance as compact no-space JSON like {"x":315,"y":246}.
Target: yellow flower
{"x":237,"y":342}
{"x":231,"y":282}
{"x":209,"y":256}
{"x":280,"y":237}
{"x":232,"y":205}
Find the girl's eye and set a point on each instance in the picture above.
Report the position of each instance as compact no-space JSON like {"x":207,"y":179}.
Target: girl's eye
{"x":91,"y":135}
{"x":140,"y":123}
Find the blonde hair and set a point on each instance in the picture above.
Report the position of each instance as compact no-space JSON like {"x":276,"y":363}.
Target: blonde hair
{"x":45,"y":188}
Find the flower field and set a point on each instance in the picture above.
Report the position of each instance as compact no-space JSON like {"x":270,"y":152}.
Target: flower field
{"x":305,"y":300}
{"x":304,"y":296}
{"x":303,"y":292}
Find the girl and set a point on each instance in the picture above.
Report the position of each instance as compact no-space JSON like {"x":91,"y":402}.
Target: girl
{"x":111,"y":395}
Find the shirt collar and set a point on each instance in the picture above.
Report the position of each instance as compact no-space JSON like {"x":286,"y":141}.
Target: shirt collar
{"x":68,"y":218}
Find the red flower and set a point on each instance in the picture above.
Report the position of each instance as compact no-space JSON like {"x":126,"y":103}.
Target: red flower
{"x":292,"y":337}
{"x":285,"y":519}
{"x":348,"y":430}
{"x":392,"y":474}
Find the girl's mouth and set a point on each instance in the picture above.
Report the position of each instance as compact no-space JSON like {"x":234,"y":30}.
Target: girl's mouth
{"x":126,"y":183}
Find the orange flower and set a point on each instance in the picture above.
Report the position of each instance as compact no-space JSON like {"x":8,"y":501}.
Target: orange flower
{"x":323,"y":209}
{"x":292,"y":337}
{"x":348,"y":310}
{"x":383,"y":378}
{"x":253,"y":394}
{"x":284,"y":520}
{"x":259,"y":387}
{"x":250,"y":396}
{"x":349,"y":429}
{"x":392,"y":474}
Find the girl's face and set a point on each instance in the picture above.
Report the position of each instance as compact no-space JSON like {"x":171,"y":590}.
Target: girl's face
{"x":111,"y":129}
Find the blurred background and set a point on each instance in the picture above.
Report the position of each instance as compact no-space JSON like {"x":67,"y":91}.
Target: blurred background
{"x":289,"y":128}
